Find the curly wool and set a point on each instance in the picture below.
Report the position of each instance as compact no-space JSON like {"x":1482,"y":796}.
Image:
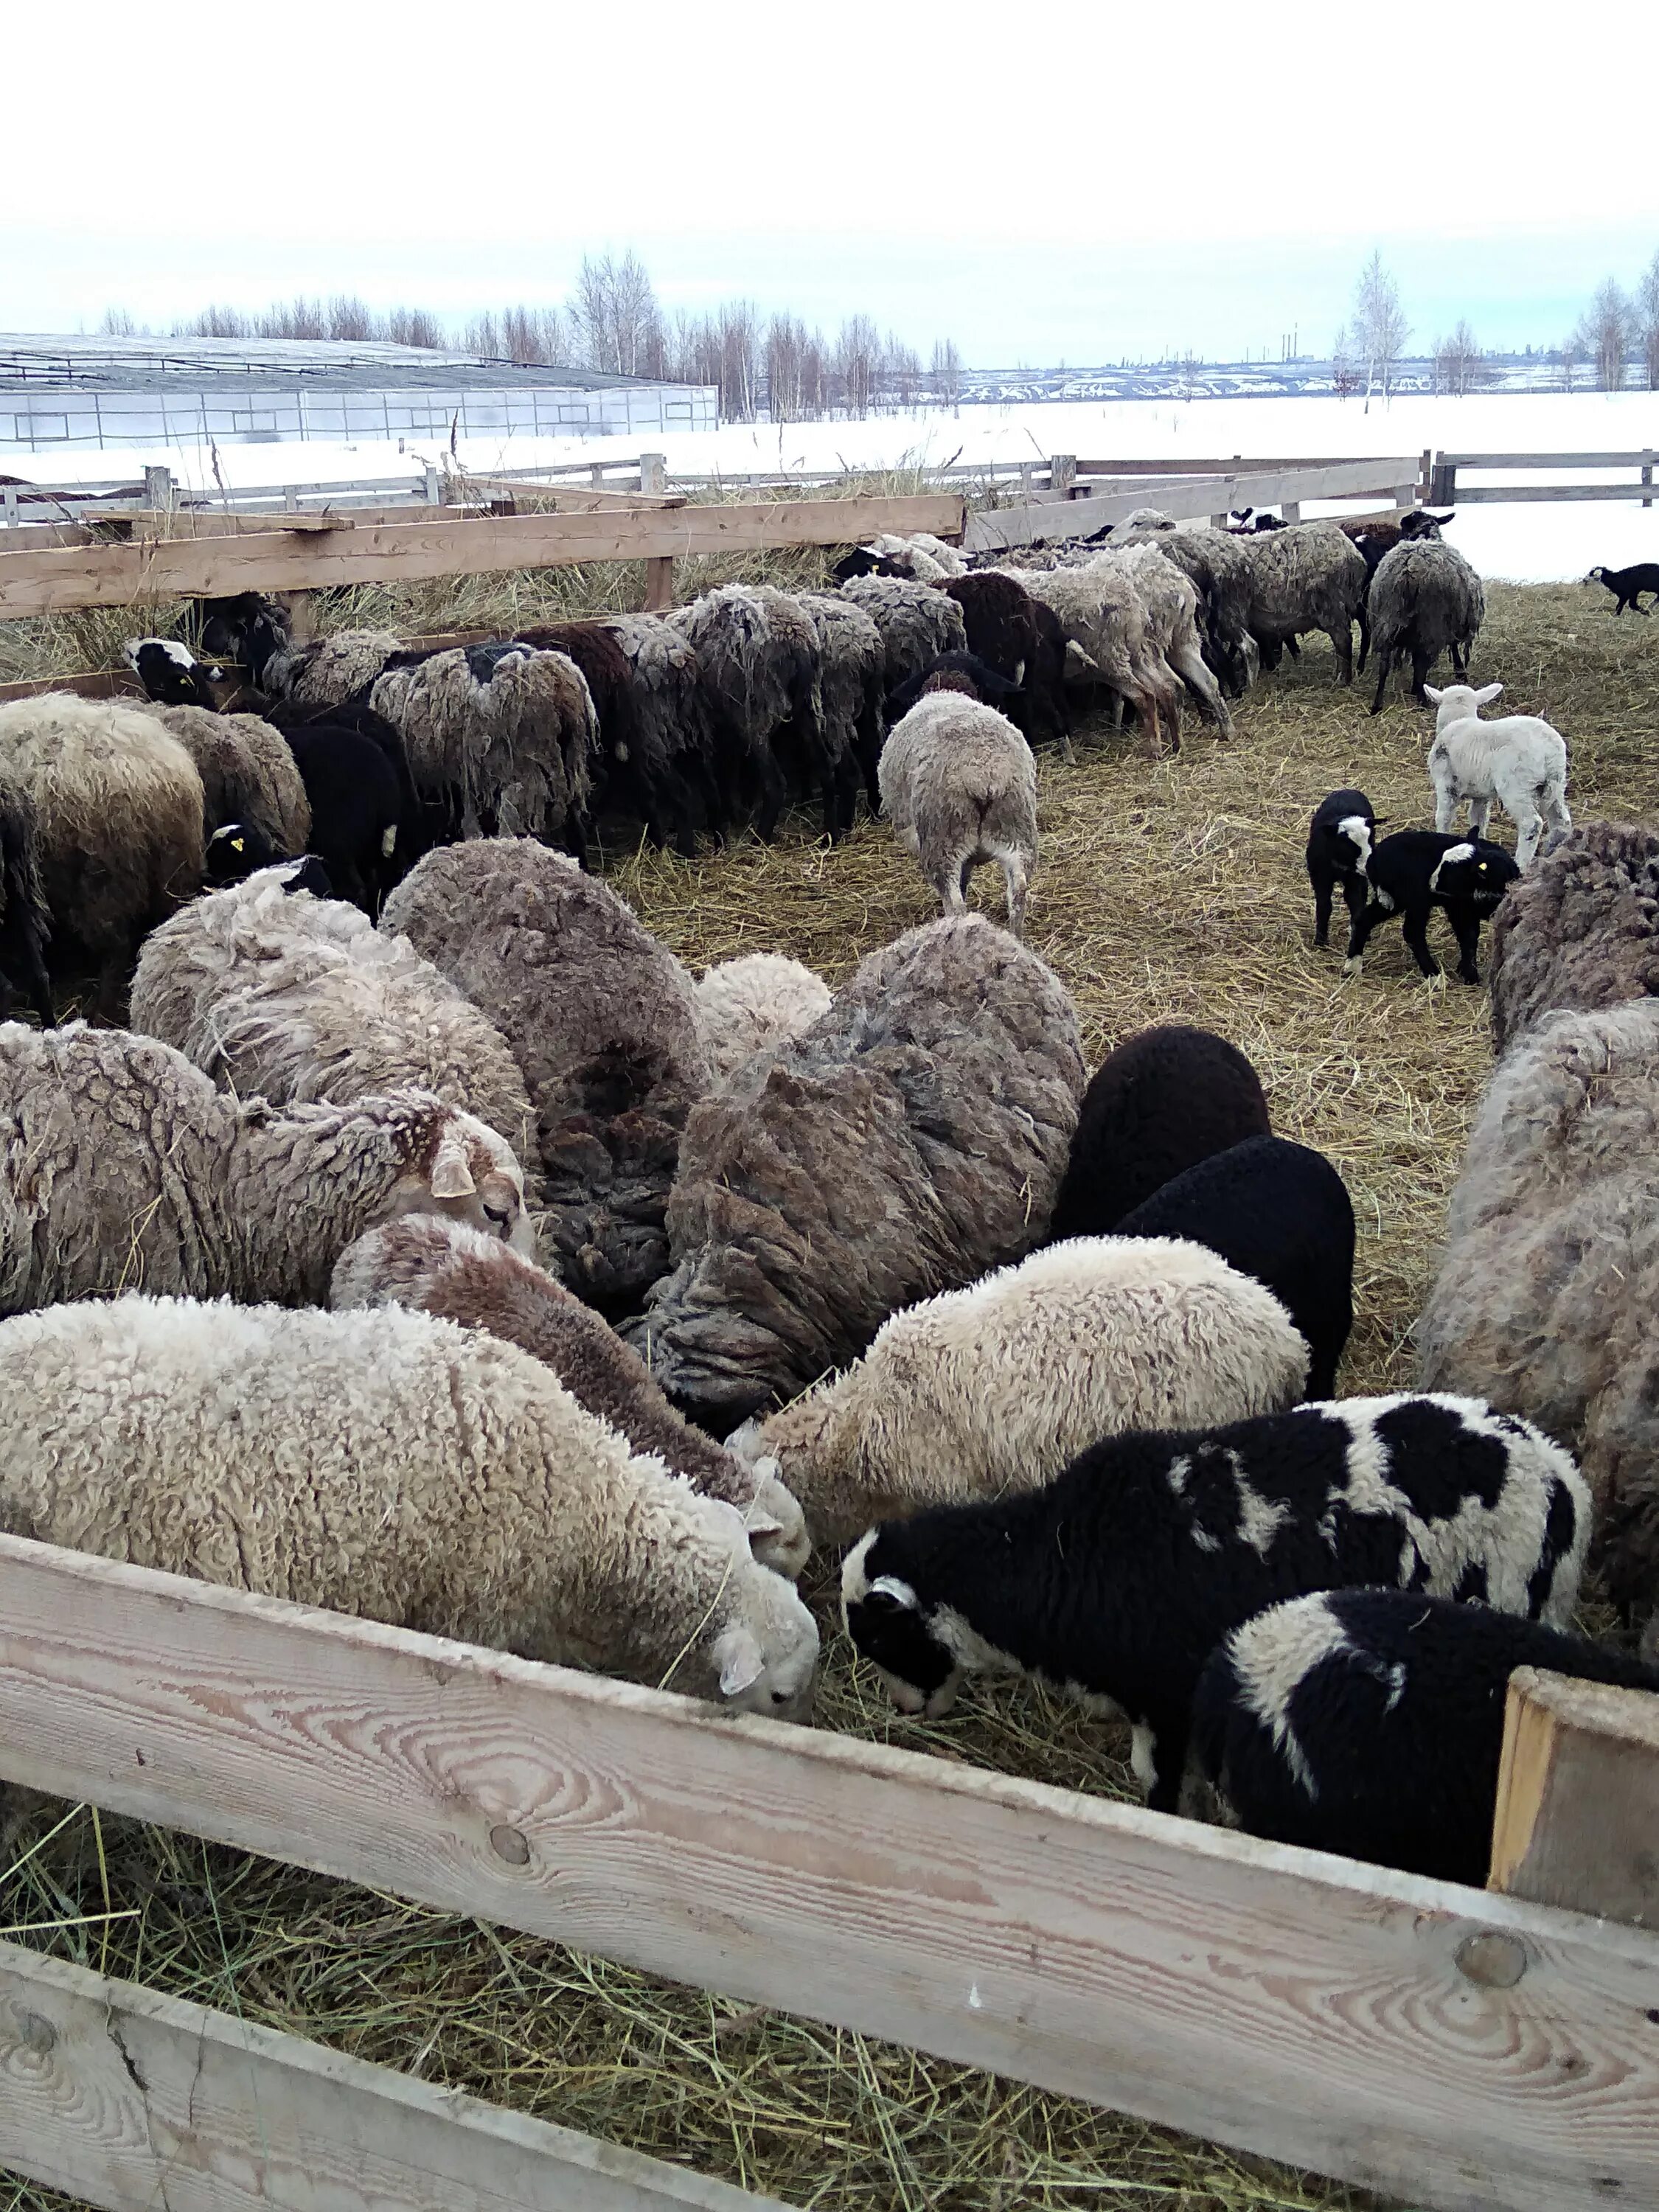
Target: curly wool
{"x":329,"y":671}
{"x":300,"y":999}
{"x":451,"y":1272}
{"x":1424,"y":599}
{"x":917,"y":623}
{"x":1308,"y":576}
{"x":118,"y":809}
{"x":602,"y":1020}
{"x":959,"y":785}
{"x":248,"y":773}
{"x":386,"y":1465}
{"x":1170,"y":598}
{"x":1545,"y":1299}
{"x":911,"y":1139}
{"x":1580,"y":929}
{"x":995,"y":1388}
{"x":1102,"y":614}
{"x":123,"y":1167}
{"x":748,"y":1005}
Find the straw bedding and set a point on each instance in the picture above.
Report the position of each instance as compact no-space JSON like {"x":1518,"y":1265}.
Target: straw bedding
{"x":1166,"y":892}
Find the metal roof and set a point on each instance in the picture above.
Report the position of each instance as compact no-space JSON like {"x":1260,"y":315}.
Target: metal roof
{"x":31,"y":363}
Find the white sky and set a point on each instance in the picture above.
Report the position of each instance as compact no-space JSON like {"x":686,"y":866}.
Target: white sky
{"x":1074,"y":182}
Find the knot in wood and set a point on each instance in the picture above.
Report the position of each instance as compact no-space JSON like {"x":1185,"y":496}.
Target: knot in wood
{"x":1492,"y":1961}
{"x":508,"y":1843}
{"x":35,"y":2034}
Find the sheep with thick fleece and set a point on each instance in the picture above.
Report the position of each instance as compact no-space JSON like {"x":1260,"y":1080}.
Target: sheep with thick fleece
{"x":1549,"y":1279}
{"x":1518,"y":760}
{"x":907,"y":1142}
{"x":745,"y":1005}
{"x":1118,"y":1579}
{"x":928,"y":559}
{"x":855,"y":670}
{"x":248,"y":772}
{"x":327,"y":671}
{"x":119,"y":812}
{"x":761,"y":674}
{"x":1580,"y":929}
{"x":997,"y":1387}
{"x":1424,"y":599}
{"x":25,"y":924}
{"x":916,"y":623}
{"x":1104,"y":616}
{"x":673,"y":712}
{"x":1171,"y":600}
{"x":1371,"y":1723}
{"x":394,"y":1467}
{"x":446,"y":1269}
{"x":1306,"y":577}
{"x":603,"y":1022}
{"x":1022,"y":640}
{"x":632,"y":773}
{"x":270,"y":991}
{"x":123,"y":1167}
{"x":958,"y":784}
{"x":1219,"y":570}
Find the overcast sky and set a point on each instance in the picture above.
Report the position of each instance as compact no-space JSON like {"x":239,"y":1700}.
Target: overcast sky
{"x":1075,"y":182}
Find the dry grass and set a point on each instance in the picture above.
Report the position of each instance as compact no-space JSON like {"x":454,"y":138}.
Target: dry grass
{"x":1167,"y":891}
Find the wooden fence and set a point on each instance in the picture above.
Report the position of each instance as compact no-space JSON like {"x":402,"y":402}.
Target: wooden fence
{"x":1444,"y":488}
{"x":1466,"y":2050}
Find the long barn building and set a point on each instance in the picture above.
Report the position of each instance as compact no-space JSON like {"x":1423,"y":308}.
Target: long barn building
{"x":57,"y":393}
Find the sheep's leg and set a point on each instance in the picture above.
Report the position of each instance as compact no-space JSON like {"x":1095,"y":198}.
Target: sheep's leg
{"x":1323,"y":885}
{"x":773,"y":793}
{"x":1195,"y":674}
{"x":1356,"y":890}
{"x":949,"y":882}
{"x":1446,"y":802}
{"x":1015,"y":885}
{"x":1343,"y":642}
{"x":1528,"y":829}
{"x":1384,"y":670}
{"x":1460,"y":659}
{"x":1359,"y":935}
{"x":1422,"y":661}
{"x":1466,"y":927}
{"x":1364,"y":634}
{"x":1479,"y":813}
{"x":1415,"y":923}
{"x":40,"y":987}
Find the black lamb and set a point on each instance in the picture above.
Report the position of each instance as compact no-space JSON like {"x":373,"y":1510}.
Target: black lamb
{"x":1279,"y":1211}
{"x":1415,"y":870}
{"x":356,"y":807}
{"x":961,"y":672}
{"x":1340,"y":841}
{"x":1627,"y":585}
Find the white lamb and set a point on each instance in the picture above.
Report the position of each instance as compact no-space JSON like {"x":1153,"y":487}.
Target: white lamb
{"x":1518,"y":760}
{"x":959,"y":785}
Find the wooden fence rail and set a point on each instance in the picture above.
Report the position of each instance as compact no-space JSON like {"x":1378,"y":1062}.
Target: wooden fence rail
{"x":1467,"y":2051}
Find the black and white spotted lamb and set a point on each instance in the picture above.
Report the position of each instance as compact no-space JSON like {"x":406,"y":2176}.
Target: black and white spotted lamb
{"x":1416,"y":871}
{"x":1119,"y":1578}
{"x":1341,"y":838}
{"x":1371,"y":1722}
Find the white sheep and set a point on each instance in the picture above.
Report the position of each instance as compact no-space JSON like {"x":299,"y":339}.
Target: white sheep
{"x":389,"y":1465}
{"x":122,"y":1168}
{"x":745,"y":1005}
{"x":1519,"y":760}
{"x":958,"y":783}
{"x":994,"y":1389}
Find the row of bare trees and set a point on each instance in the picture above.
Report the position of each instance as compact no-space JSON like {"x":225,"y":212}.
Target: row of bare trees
{"x":613,"y":323}
{"x":1616,"y":339}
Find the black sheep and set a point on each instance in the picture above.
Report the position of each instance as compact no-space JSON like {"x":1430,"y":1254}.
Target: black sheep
{"x":1340,"y":841}
{"x":238,"y":851}
{"x":1165,"y":1099}
{"x":1415,"y":870}
{"x":960,"y":671}
{"x":356,"y":807}
{"x":1627,"y":585}
{"x":421,"y":823}
{"x":24,"y":923}
{"x":1370,"y":1721}
{"x":1007,"y":630}
{"x":249,"y":628}
{"x":1280,"y":1212}
{"x":1122,"y":1576}
{"x":631,"y":775}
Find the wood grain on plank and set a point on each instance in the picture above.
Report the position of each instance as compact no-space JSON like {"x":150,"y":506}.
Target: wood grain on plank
{"x":58,"y":580}
{"x":1182,"y":500}
{"x":132,"y":2101}
{"x":1298,"y":2005}
{"x":1578,"y":1817}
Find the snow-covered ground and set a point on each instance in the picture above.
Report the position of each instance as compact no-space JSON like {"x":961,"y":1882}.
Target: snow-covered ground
{"x":1534,"y":543}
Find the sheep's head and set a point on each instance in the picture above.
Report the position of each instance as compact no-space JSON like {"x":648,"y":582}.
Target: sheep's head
{"x":464,"y":1172}
{"x":895,"y":1628}
{"x":763,"y":1657}
{"x":170,"y":673}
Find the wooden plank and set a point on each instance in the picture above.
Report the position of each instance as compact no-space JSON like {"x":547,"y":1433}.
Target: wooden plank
{"x":1332,"y":2015}
{"x":58,"y":580}
{"x":659,"y":586}
{"x":151,"y":522}
{"x":1201,"y":496}
{"x":1235,"y":465}
{"x":86,"y":683}
{"x":132,"y":2101}
{"x":1542,"y":460}
{"x":1506,"y":494}
{"x":571,"y":499}
{"x":202,"y":522}
{"x":1577,"y":1818}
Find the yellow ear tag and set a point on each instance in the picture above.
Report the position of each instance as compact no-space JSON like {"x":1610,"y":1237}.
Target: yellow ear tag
{"x":236,"y":846}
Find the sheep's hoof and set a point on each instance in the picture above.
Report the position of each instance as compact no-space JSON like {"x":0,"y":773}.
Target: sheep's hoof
{"x":1351,"y":968}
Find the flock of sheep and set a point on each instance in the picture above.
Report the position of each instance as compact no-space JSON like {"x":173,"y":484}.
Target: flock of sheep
{"x":431,"y":1245}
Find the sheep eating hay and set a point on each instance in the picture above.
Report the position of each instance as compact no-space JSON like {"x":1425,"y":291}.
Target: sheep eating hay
{"x":959,"y":785}
{"x":759,"y":1000}
{"x":248,"y":775}
{"x":908,"y":1140}
{"x":1581,"y":929}
{"x":391,"y":1466}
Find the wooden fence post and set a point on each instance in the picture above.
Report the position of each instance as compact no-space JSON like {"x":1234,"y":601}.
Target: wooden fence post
{"x":1443,"y":484}
{"x":158,"y":490}
{"x":1647,"y":471}
{"x":653,"y":472}
{"x":10,"y":494}
{"x":1577,"y":1812}
{"x":1425,"y":475}
{"x":1062,"y":475}
{"x":434,"y":491}
{"x":300,"y":608}
{"x":1290,"y":509}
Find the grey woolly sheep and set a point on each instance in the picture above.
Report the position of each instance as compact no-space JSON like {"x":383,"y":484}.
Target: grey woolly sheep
{"x":761,"y":679}
{"x":1308,"y":576}
{"x":746,"y":1004}
{"x":248,"y":775}
{"x":921,"y":555}
{"x":1220,"y":568}
{"x":273,"y":991}
{"x":959,"y":785}
{"x":443,"y":1268}
{"x":911,"y":1139}
{"x":917,"y":623}
{"x":119,"y":811}
{"x":993,"y":1389}
{"x":25,"y":924}
{"x":394,"y":1467}
{"x":855,"y":666}
{"x":1581,"y":928}
{"x":1546,"y":1292}
{"x":502,"y":739}
{"x":1171,"y":600}
{"x":329,"y":671}
{"x":1103,"y":615}
{"x":673,"y":713}
{"x":121,"y":1166}
{"x":1424,"y":599}
{"x":633,"y":775}
{"x":603,"y":1022}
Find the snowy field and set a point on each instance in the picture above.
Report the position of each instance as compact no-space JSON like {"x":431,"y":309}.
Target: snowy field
{"x":1531,"y":543}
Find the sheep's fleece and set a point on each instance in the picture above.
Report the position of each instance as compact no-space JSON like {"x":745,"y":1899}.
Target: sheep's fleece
{"x":391,"y":1466}
{"x":996,"y":1387}
{"x":1581,"y":928}
{"x":122,"y":1168}
{"x":910,"y":1140}
{"x":602,"y":1020}
{"x":745,"y":1005}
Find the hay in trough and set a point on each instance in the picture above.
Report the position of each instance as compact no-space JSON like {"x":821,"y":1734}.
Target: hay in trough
{"x":1167,"y":890}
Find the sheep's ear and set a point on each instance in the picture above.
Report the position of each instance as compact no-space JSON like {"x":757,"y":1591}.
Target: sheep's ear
{"x":1488,"y":693}
{"x":451,"y":1175}
{"x":1433,"y":696}
{"x":740,"y":1662}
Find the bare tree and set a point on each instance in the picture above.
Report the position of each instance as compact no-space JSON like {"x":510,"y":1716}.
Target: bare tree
{"x":615,"y":312}
{"x":1604,"y":333}
{"x":413,"y":326}
{"x":1344,"y":380}
{"x":1570,"y":354}
{"x":1457,"y":362}
{"x":946,"y":372}
{"x":1379,"y":326}
{"x":858,"y":351}
{"x":117,"y":322}
{"x":1645,"y":303}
